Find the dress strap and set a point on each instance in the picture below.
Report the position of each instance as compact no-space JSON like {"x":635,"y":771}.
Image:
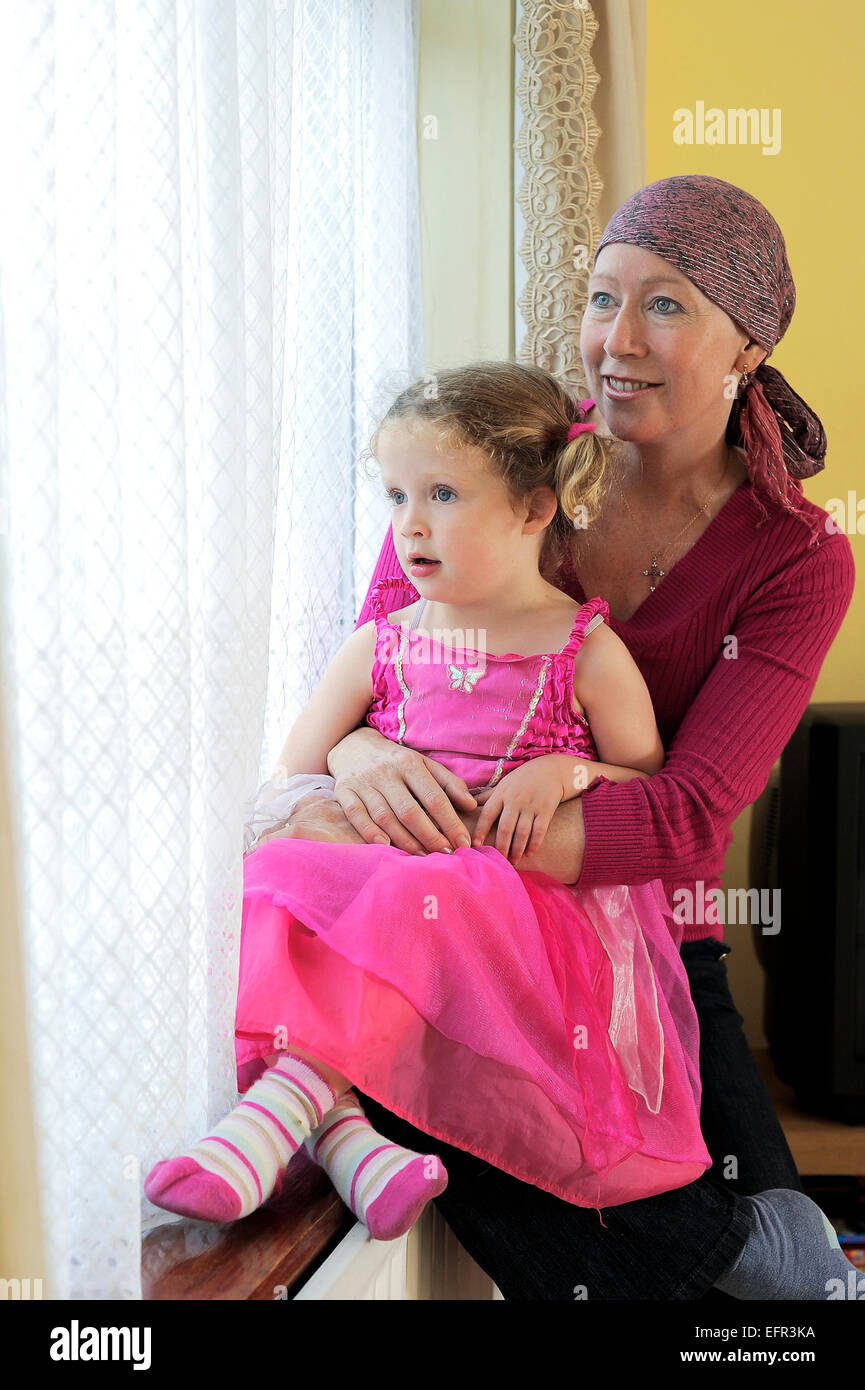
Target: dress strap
{"x":593,"y":612}
{"x":380,"y":595}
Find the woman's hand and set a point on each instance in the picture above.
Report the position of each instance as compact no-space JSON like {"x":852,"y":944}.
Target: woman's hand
{"x":391,"y":793}
{"x":525,"y":801}
{"x":321,"y":818}
{"x":315,"y":817}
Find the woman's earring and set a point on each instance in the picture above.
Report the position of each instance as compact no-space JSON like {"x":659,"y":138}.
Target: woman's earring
{"x":743,"y":382}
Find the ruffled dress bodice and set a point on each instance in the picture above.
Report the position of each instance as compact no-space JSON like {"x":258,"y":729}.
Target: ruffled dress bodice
{"x":425,"y":687}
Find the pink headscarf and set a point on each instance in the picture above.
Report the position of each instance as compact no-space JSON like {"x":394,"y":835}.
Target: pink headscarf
{"x":730,"y":246}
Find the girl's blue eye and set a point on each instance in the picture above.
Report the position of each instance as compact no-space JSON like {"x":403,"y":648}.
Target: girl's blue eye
{"x":395,"y":493}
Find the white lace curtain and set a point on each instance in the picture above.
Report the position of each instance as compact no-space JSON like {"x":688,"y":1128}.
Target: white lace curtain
{"x":210,"y":281}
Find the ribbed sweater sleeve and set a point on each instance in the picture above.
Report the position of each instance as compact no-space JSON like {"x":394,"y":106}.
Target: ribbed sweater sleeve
{"x":676,"y":825}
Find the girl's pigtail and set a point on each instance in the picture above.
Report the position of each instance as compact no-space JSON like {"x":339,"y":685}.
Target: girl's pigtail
{"x":580,"y":468}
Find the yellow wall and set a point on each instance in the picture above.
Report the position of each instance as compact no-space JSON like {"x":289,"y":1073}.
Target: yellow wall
{"x":783,"y":54}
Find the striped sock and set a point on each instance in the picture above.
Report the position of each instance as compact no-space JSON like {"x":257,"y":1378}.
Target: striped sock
{"x":233,"y":1171}
{"x":386,"y":1186}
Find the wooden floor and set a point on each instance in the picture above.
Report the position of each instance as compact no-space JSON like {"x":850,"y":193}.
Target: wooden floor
{"x":818,"y":1145}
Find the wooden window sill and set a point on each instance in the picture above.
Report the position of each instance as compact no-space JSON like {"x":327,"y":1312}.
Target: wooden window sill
{"x":265,"y":1256}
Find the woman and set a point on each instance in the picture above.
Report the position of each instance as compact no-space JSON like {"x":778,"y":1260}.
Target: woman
{"x":728,"y":589}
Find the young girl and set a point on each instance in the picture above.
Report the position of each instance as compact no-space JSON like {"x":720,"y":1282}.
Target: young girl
{"x":547,"y":1029}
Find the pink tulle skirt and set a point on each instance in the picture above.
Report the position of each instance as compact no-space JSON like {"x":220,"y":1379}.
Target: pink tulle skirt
{"x":547,"y":1029}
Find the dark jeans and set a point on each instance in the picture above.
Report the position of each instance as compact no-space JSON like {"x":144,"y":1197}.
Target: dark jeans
{"x":673,"y":1246}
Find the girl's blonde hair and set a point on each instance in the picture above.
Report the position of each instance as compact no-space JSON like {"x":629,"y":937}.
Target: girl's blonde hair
{"x":518,"y":415}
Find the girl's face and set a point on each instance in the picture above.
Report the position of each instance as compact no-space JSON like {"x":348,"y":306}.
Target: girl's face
{"x":645,"y":321}
{"x":450,"y":508}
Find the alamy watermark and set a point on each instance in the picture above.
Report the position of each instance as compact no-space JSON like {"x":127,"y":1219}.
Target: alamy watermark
{"x":735,"y":126}
{"x":424,"y":648}
{"x":854,"y":1289}
{"x":723,"y":907}
{"x":21,"y":1289}
{"x":848,"y":516}
{"x":77,"y":1343}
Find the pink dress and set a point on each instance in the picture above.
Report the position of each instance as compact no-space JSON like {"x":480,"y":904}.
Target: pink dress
{"x":547,"y":1029}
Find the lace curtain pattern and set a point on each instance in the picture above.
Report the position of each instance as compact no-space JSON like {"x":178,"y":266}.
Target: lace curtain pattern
{"x":210,"y":282}
{"x":559,"y":188}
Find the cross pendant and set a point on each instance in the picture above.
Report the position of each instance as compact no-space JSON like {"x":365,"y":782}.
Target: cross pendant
{"x":654,"y":573}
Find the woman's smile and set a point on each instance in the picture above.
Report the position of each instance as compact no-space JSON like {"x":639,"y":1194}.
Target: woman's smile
{"x":622,"y":388}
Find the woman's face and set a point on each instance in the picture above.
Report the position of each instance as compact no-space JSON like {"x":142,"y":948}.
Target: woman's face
{"x":645,"y":321}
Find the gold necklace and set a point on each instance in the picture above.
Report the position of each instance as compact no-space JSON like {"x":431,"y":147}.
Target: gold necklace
{"x":654,"y":571}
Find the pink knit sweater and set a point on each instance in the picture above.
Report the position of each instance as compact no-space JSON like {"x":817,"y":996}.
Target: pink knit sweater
{"x":724,"y":709}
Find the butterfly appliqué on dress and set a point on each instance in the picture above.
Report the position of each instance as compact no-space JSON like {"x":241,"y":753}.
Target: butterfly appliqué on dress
{"x":464,"y":678}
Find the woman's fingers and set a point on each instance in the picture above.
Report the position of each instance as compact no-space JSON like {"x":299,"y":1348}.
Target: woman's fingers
{"x":454,"y":787}
{"x":412,"y":817}
{"x":433,"y":786}
{"x":406,"y":797}
{"x":393,"y":812}
{"x":407,"y":803}
{"x":373,"y":817}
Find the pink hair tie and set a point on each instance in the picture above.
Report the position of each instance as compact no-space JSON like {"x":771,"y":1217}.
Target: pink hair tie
{"x":578,"y":428}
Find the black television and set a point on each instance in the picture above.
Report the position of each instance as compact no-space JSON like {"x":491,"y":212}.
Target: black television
{"x":808,"y":840}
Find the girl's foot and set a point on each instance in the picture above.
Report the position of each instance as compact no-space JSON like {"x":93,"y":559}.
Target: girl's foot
{"x":386,"y":1186}
{"x":234,"y":1170}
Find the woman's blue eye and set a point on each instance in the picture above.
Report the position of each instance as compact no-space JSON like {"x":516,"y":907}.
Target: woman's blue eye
{"x":661,"y":299}
{"x":443,"y":487}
